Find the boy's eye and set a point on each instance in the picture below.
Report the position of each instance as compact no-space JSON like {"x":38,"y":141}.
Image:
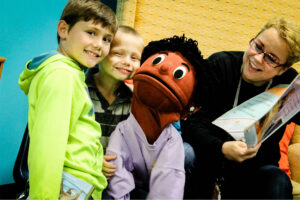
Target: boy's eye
{"x":107,"y":40}
{"x":91,"y":33}
{"x":118,"y":53}
{"x":158,"y":59}
{"x":136,"y":58}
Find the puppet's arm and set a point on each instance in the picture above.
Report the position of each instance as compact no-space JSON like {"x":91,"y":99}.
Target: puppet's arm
{"x":168,"y":175}
{"x":122,"y":182}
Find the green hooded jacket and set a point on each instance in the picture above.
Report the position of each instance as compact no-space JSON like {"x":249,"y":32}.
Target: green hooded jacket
{"x":64,"y":135}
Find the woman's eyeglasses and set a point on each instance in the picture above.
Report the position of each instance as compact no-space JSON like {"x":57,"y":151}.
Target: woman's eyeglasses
{"x":271,"y":60}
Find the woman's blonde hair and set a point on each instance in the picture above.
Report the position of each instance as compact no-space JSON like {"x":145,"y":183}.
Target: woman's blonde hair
{"x":290,"y":32}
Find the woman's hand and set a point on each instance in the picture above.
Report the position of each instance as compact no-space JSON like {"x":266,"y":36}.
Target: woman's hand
{"x":238,"y":151}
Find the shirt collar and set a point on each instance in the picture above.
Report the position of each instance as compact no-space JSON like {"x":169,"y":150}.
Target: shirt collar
{"x":124,"y":94}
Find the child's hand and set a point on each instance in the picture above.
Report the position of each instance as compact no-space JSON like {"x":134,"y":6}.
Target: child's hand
{"x":108,"y":169}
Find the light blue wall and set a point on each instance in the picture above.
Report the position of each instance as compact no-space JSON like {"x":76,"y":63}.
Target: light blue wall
{"x":27,"y":29}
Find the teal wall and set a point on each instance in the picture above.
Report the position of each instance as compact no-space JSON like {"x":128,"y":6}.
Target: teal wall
{"x":27,"y":29}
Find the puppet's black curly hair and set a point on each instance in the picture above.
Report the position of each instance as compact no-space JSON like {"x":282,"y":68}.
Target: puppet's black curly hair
{"x":189,"y":49}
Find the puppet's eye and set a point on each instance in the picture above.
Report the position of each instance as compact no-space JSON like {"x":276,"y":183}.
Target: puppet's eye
{"x":158,"y":59}
{"x":179,"y":72}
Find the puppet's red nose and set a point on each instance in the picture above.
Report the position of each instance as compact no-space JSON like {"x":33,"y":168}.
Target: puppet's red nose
{"x":164,"y":69}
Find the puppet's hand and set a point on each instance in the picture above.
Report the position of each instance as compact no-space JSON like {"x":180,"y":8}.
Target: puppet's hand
{"x":238,"y":151}
{"x":108,"y":169}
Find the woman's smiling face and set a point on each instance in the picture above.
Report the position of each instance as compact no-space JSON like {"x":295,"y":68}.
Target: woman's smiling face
{"x":255,"y":69}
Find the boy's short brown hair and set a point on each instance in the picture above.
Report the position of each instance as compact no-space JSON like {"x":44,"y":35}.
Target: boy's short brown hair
{"x":128,"y":29}
{"x":77,"y":10}
{"x":132,"y":31}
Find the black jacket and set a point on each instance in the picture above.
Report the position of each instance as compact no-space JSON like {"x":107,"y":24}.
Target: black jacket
{"x":207,"y":139}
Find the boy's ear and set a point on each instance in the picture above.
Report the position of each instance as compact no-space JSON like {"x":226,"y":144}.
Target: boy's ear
{"x":62,"y":29}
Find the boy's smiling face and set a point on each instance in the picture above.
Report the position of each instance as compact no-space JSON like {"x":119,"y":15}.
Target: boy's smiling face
{"x":124,"y":57}
{"x":86,"y":42}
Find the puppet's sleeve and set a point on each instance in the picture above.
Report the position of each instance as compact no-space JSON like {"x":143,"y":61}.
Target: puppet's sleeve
{"x":122,"y":183}
{"x":168,"y":176}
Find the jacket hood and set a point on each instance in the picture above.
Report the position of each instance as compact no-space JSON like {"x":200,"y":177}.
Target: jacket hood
{"x":36,"y":64}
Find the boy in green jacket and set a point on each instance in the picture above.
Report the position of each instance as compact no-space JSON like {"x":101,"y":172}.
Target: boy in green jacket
{"x":65,"y":151}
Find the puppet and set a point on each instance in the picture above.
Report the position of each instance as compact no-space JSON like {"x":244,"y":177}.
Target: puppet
{"x":150,"y":153}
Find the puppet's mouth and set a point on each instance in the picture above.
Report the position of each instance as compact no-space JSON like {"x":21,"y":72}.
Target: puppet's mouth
{"x":162,"y":82}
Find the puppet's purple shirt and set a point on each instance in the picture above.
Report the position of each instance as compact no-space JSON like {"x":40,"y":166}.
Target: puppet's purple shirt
{"x":159,"y":167}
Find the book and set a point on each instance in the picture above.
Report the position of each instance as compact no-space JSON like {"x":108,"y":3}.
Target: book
{"x":258,"y":118}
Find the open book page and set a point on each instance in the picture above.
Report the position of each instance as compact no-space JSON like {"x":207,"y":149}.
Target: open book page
{"x":238,"y":119}
{"x":256,"y":119}
{"x":255,"y":132}
{"x":287,"y":106}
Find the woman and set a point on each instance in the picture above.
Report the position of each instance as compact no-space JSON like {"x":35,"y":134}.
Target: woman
{"x":242,"y":172}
